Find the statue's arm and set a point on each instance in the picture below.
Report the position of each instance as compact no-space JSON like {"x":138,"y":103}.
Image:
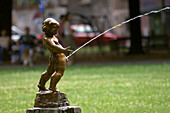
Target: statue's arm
{"x":56,"y":47}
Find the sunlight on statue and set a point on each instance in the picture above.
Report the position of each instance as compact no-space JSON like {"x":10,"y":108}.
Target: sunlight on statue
{"x":57,"y":61}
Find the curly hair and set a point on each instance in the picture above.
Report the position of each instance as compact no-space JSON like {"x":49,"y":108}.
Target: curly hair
{"x":50,"y":26}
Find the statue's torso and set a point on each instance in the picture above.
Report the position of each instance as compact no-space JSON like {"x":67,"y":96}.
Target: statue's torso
{"x":52,"y":40}
{"x":55,"y":56}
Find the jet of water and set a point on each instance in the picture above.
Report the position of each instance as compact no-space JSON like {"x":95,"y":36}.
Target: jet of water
{"x":127,"y":21}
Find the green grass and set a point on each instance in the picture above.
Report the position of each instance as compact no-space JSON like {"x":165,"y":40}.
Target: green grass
{"x":128,"y":88}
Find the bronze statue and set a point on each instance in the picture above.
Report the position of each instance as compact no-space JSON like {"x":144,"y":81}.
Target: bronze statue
{"x":57,"y":61}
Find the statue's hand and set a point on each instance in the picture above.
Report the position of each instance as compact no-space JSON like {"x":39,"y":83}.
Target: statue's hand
{"x":67,"y":51}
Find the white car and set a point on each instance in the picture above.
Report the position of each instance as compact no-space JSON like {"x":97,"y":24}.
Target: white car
{"x":16,"y":33}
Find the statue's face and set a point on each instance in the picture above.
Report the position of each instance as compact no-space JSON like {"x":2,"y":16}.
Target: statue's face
{"x":50,"y":27}
{"x":54,"y":28}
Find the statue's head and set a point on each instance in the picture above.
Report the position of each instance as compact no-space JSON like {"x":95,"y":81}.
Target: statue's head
{"x":50,"y":26}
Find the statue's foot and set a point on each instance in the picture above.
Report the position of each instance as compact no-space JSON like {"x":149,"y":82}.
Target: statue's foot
{"x":53,"y":89}
{"x":42,"y":88}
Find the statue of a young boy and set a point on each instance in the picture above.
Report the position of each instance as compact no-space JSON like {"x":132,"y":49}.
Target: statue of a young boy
{"x":57,"y":58}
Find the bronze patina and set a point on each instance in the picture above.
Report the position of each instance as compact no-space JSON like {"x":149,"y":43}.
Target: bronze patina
{"x":57,"y":60}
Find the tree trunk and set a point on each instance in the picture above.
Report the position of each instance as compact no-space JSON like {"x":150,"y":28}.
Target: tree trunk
{"x":5,"y":16}
{"x":135,"y":29}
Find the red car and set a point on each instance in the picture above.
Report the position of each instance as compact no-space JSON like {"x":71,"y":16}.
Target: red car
{"x":83,"y":33}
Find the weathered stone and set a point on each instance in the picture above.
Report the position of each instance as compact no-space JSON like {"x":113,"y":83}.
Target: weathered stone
{"x":64,"y":109}
{"x":51,"y":99}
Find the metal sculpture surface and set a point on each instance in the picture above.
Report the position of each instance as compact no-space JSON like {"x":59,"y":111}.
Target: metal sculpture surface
{"x":57,"y":60}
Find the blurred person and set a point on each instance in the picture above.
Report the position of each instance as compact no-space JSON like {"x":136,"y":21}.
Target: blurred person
{"x":15,"y":49}
{"x":1,"y":55}
{"x":40,"y":48}
{"x":27,"y":43}
{"x":4,"y":45}
{"x":68,"y":34}
{"x":61,"y":30}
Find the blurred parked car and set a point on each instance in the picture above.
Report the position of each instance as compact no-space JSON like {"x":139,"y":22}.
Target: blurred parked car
{"x":16,"y":33}
{"x":84,"y":32}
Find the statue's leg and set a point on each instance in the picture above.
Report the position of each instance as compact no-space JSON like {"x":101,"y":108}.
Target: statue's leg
{"x":59,"y":67}
{"x":54,"y":80}
{"x":45,"y":77}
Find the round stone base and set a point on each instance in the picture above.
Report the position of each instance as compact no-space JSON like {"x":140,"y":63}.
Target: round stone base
{"x":64,"y":109}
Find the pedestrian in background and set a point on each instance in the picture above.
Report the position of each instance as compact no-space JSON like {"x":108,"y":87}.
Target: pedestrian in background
{"x":4,"y":45}
{"x":61,"y":31}
{"x":68,"y":35}
{"x":27,"y":42}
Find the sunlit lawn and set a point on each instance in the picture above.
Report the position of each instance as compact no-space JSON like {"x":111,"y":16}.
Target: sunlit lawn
{"x":128,"y":88}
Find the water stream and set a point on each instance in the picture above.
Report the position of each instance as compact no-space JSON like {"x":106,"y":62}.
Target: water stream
{"x":127,"y":21}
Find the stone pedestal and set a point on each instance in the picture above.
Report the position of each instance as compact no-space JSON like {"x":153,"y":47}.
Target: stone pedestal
{"x":64,"y":109}
{"x":52,"y":102}
{"x":51,"y":99}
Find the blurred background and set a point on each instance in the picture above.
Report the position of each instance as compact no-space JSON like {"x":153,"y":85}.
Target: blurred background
{"x":146,"y":38}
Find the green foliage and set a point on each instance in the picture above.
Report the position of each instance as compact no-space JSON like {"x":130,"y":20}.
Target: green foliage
{"x":128,"y":88}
